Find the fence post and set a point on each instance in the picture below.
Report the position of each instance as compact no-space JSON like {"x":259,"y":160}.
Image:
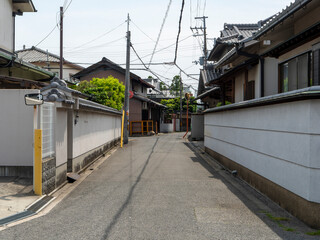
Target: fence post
{"x":122,"y":129}
{"x":38,"y":161}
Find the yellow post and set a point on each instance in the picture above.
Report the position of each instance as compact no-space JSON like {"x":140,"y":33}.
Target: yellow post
{"x":122,"y":129}
{"x":38,"y":161}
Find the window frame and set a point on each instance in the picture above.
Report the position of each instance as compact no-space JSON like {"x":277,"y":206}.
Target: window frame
{"x":286,"y":62}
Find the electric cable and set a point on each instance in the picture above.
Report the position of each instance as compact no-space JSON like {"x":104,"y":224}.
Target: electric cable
{"x":204,"y":7}
{"x":162,"y":48}
{"x":179,"y":30}
{"x":147,"y":68}
{"x":102,"y":35}
{"x":164,"y":20}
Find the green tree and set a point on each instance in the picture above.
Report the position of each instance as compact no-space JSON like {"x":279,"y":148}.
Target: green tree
{"x":106,"y":91}
{"x":175,"y":86}
{"x":173,"y":105}
{"x":163,"y":86}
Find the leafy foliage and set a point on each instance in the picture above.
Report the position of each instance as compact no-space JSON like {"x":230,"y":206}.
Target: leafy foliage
{"x":163,"y":86}
{"x":175,"y":85}
{"x":106,"y":91}
{"x":219,"y":104}
{"x":174,"y":105}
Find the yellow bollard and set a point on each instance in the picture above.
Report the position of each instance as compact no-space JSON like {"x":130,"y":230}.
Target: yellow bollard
{"x":37,"y":162}
{"x":122,"y":129}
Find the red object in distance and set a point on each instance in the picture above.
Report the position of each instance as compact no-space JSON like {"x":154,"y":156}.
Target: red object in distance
{"x":130,"y":94}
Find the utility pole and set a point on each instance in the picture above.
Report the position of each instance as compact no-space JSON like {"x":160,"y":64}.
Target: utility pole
{"x":61,"y":42}
{"x":180,"y":103}
{"x":204,"y":28}
{"x":127,"y":85}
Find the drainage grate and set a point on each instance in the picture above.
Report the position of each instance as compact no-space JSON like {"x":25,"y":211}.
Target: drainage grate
{"x":31,"y":210}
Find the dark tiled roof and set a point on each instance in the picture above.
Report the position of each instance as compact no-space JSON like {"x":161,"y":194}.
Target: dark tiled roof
{"x":208,"y":75}
{"x":279,"y":17}
{"x":233,"y":34}
{"x":107,"y":63}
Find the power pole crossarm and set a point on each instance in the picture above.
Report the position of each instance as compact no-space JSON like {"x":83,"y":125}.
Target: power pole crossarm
{"x":204,"y":28}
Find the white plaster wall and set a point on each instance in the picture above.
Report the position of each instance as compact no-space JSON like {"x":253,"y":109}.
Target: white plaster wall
{"x":16,"y":128}
{"x":61,"y":137}
{"x":93,"y":130}
{"x":270,"y":76}
{"x":166,"y":127}
{"x":254,"y":74}
{"x":279,"y":142}
{"x":239,"y":81}
{"x":6,"y":25}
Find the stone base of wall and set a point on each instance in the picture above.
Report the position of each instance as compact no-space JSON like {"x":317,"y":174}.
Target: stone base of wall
{"x":82,"y":161}
{"x":308,"y":212}
{"x":48,"y":175}
{"x":16,"y":171}
{"x":61,"y":174}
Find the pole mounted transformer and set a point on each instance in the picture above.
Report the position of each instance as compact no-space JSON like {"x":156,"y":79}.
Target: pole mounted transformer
{"x":127,"y":87}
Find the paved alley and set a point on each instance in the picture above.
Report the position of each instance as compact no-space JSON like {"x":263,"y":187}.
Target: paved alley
{"x":160,"y":187}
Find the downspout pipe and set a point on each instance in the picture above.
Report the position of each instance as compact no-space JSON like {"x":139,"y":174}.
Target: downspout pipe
{"x":261,"y":76}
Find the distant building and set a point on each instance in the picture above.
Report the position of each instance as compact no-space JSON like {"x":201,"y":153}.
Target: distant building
{"x":49,"y":62}
{"x":141,"y":107}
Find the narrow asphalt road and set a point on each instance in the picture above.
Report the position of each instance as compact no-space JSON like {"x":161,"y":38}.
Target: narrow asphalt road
{"x":159,"y":187}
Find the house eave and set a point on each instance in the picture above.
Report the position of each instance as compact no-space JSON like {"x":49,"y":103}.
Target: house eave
{"x":23,"y":6}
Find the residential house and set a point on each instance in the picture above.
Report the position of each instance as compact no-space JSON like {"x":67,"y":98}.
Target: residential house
{"x":15,"y":73}
{"x":17,"y":78}
{"x":49,"y":62}
{"x":270,"y":133}
{"x":141,"y":108}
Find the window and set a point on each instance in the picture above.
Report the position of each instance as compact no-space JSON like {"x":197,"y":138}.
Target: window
{"x":248,"y":90}
{"x":296,"y":73}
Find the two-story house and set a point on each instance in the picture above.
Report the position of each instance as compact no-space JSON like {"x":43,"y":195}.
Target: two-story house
{"x":15,"y":73}
{"x":141,"y":108}
{"x":270,"y":132}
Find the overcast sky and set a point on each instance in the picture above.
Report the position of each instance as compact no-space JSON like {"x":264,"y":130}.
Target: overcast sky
{"x":87,"y":20}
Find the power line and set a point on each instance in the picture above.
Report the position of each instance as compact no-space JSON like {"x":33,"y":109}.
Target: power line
{"x":204,"y":7}
{"x":163,"y":48}
{"x":164,"y":20}
{"x":142,"y":31}
{"x":56,"y":26}
{"x":147,"y":68}
{"x":67,"y":6}
{"x":188,"y":75}
{"x":179,"y":30}
{"x":100,"y":36}
{"x":96,"y":46}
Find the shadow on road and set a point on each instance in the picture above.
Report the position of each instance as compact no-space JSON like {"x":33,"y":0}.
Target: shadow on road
{"x":129,"y":197}
{"x":256,"y":202}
